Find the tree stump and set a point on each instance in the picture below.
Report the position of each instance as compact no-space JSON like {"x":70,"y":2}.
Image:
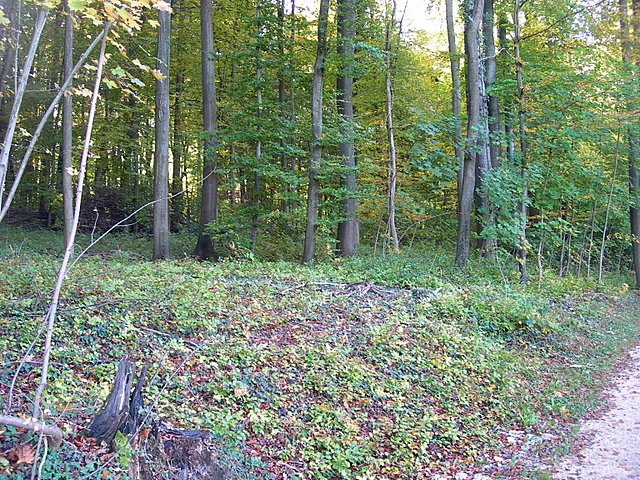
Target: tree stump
{"x":162,"y":452}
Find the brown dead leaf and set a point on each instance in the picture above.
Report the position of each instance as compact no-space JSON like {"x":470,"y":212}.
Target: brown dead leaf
{"x":21,"y":454}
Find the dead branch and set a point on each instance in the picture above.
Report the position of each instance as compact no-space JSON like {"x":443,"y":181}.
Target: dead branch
{"x":53,"y":433}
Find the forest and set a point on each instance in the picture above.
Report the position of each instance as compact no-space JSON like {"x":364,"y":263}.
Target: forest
{"x":345,"y":241}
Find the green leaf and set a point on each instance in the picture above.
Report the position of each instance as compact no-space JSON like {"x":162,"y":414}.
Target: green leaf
{"x":76,"y":5}
{"x":118,"y":71}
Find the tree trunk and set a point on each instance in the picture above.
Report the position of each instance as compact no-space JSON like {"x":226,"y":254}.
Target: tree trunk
{"x":177,"y":149}
{"x":18,"y":96}
{"x":392,"y":231}
{"x":522,"y":248}
{"x":161,"y":153}
{"x":348,"y":228}
{"x":67,"y":127}
{"x":9,"y":33}
{"x":473,"y":17}
{"x":313,"y":196}
{"x":209,"y":208}
{"x":606,"y":217}
{"x":43,"y":121}
{"x":490,"y":68}
{"x":630,"y":55}
{"x":456,"y":95}
{"x":255,"y":197}
{"x":508,"y":114}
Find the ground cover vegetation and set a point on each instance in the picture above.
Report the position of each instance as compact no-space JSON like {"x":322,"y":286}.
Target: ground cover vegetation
{"x":456,"y":197}
{"x":355,"y":368}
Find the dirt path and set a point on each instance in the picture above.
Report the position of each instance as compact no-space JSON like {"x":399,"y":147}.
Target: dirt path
{"x":614,"y":453}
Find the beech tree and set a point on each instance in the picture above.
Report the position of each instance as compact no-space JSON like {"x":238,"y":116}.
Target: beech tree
{"x":473,"y":10}
{"x":348,"y":228}
{"x":630,"y":56}
{"x":161,"y":155}
{"x":313,"y":195}
{"x":209,"y":205}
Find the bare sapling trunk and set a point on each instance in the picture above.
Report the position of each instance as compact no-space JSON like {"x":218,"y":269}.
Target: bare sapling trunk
{"x":176,"y":153}
{"x":456,"y":94}
{"x":392,"y":168}
{"x":255,"y":198}
{"x":522,"y":248}
{"x":18,"y":96}
{"x":36,"y":423}
{"x":313,"y":195}
{"x":606,"y":216}
{"x":43,"y":121}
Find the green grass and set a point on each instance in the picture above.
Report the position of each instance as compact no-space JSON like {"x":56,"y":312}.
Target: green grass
{"x":310,"y":371}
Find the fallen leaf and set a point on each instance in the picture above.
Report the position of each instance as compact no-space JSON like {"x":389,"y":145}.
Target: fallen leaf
{"x":22,"y":454}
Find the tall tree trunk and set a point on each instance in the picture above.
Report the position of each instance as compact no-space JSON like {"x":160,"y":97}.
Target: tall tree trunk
{"x":484,"y":160}
{"x":508,"y":114}
{"x":284,"y":158}
{"x":456,"y":94}
{"x":255,"y":197}
{"x":67,"y":127}
{"x":490,"y":68}
{"x":473,"y":16}
{"x":630,"y":55}
{"x":292,"y":99}
{"x":392,"y":172}
{"x":209,"y":208}
{"x":524,"y":201}
{"x":348,"y":228}
{"x":313,"y":196}
{"x":18,"y":96}
{"x":161,"y":153}
{"x":176,"y":150}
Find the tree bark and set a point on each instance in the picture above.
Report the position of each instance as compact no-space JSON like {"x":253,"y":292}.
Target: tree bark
{"x":348,"y":228}
{"x":508,"y":116}
{"x":177,"y":149}
{"x":392,"y":231}
{"x":18,"y":96}
{"x":313,"y":196}
{"x":161,"y":153}
{"x":67,"y":126}
{"x":209,"y":207}
{"x":521,"y":255}
{"x":631,"y":55}
{"x":490,"y":69}
{"x":255,"y":197}
{"x":456,"y":94}
{"x":607,"y":211}
{"x":62,"y":272}
{"x":43,"y":120}
{"x":8,"y":32}
{"x":473,"y":17}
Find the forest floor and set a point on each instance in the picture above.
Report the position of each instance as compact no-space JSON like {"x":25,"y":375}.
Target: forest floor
{"x":381,"y":368}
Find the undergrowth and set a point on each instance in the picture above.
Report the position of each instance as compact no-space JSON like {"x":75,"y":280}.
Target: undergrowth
{"x":395,"y":367}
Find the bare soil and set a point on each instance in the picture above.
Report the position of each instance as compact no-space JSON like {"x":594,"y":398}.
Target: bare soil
{"x":612,"y":441}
